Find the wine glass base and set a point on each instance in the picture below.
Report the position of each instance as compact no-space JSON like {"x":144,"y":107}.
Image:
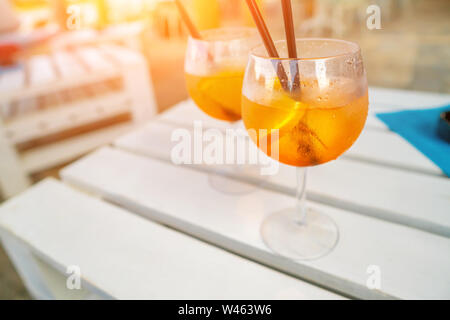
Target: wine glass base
{"x":313,"y":238}
{"x":224,"y":181}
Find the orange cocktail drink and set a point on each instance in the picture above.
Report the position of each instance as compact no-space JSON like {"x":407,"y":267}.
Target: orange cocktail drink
{"x":304,"y":111}
{"x":214,"y":69}
{"x":312,"y":129}
{"x":218,"y":94}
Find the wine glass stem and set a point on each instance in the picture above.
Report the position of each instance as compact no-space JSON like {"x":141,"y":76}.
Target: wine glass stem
{"x":300,"y":195}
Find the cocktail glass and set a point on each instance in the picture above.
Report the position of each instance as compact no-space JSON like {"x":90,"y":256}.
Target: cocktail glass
{"x":304,"y":125}
{"x":214,"y":70}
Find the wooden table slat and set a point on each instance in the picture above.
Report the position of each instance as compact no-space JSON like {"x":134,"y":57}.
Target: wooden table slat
{"x":411,"y":261}
{"x":380,"y":191}
{"x":390,"y":99}
{"x":149,"y":261}
{"x":389,"y":149}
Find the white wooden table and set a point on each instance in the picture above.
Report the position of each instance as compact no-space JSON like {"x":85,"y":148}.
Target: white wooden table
{"x":139,"y":226}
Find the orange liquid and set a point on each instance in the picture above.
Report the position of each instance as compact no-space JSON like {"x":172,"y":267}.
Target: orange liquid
{"x":218,"y":95}
{"x":308,"y":133}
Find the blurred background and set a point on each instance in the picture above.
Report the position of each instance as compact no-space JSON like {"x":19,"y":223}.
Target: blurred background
{"x":410,"y":51}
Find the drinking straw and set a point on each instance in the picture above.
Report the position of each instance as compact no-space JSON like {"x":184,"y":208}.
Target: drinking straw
{"x":290,"y":39}
{"x":272,"y":51}
{"x":187,"y":21}
{"x":289,"y":28}
{"x":268,"y":42}
{"x":295,"y":87}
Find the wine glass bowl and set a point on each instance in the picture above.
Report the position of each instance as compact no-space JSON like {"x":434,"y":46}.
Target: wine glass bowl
{"x":214,"y":70}
{"x":322,"y":119}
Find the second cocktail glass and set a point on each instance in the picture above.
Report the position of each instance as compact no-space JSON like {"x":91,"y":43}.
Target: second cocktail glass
{"x":214,"y":70}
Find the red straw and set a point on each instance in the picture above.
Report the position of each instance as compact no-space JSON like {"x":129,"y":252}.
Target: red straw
{"x":268,"y":42}
{"x":187,"y":21}
{"x":290,"y":39}
{"x":289,"y":28}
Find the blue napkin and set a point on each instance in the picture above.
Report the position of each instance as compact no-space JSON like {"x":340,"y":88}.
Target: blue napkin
{"x":419,"y":127}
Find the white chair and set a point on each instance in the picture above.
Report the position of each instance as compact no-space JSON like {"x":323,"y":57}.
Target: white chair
{"x":56,"y":107}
